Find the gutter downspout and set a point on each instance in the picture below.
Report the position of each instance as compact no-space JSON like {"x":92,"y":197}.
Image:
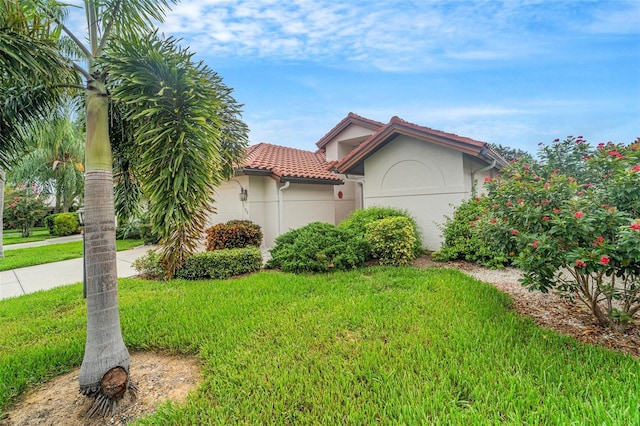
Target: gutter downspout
{"x":281,"y":206}
{"x":359,"y":181}
{"x":484,"y":169}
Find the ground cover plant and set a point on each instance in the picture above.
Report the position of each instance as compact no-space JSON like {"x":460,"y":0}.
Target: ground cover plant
{"x":31,"y":256}
{"x":367,"y":346}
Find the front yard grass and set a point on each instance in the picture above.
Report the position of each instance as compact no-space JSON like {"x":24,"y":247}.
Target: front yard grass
{"x":23,"y":257}
{"x":375,"y":345}
{"x":14,"y":236}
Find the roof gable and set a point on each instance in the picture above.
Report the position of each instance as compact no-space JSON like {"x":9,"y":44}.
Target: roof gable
{"x":350,"y":120}
{"x":398,"y":126}
{"x":288,"y":164}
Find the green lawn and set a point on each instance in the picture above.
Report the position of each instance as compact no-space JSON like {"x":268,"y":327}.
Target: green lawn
{"x":20,"y":258}
{"x":371,"y":346}
{"x":14,"y":237}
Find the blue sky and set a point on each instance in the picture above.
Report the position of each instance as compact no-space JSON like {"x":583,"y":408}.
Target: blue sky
{"x":510,"y":72}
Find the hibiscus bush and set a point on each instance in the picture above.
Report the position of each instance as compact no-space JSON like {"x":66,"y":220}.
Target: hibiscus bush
{"x":580,"y":235}
{"x":23,"y":208}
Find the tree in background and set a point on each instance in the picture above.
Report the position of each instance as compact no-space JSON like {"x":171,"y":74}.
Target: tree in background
{"x":56,"y":165}
{"x":173,"y":116}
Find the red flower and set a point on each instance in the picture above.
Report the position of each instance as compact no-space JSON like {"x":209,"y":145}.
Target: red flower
{"x":509,"y":203}
{"x":544,"y":202}
{"x":578,"y":215}
{"x":598,"y":241}
{"x":636,"y":168}
{"x":557,"y":211}
{"x":635,"y":226}
{"x":546,"y":186}
{"x":605,"y":260}
{"x":478,"y":199}
{"x":514,"y":232}
{"x":16,"y":198}
{"x":494,"y":220}
{"x":12,"y":204}
{"x":535,"y":244}
{"x":495,"y":206}
{"x":488,"y":179}
{"x":580,"y":263}
{"x":545,"y":218}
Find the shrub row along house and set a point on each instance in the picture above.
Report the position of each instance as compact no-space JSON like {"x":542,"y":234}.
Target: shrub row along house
{"x":359,"y":163}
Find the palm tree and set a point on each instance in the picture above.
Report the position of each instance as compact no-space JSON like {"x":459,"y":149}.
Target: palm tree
{"x":174,"y":116}
{"x":57,"y":163}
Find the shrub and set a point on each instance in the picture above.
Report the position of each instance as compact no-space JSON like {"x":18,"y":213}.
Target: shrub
{"x":358,"y":220}
{"x":233,"y":234}
{"x":318,"y":247}
{"x":392,"y":240}
{"x":221,"y":264}
{"x":48,"y":222}
{"x":463,"y":239}
{"x":65,"y":224}
{"x":149,"y":266}
{"x":23,"y":208}
{"x":138,"y":228}
{"x":576,"y":235}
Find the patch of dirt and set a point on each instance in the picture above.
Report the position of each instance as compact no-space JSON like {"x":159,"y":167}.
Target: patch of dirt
{"x":159,"y":378}
{"x":547,"y":310}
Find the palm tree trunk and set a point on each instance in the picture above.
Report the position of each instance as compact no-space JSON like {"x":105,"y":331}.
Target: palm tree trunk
{"x":105,"y":351}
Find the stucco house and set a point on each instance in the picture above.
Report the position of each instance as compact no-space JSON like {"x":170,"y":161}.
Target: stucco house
{"x":359,"y":163}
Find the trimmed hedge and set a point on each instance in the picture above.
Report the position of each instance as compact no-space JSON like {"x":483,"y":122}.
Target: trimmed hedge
{"x":392,"y":240}
{"x":221,"y":264}
{"x":65,"y":224}
{"x":318,"y":247}
{"x":358,"y":220}
{"x":233,"y":234}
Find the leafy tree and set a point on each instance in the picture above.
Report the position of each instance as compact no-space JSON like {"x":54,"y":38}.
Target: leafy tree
{"x":24,"y":207}
{"x":56,"y":164}
{"x":512,"y":154}
{"x":171,"y":118}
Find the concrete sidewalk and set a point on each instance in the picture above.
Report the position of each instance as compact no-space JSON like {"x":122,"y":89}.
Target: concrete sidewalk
{"x":43,"y":277}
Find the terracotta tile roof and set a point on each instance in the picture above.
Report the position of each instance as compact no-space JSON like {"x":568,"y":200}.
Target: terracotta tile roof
{"x":288,"y":164}
{"x":350,"y":119}
{"x":398,"y":126}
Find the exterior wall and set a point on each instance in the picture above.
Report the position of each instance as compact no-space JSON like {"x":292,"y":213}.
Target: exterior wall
{"x":303,"y":203}
{"x":335,"y":151}
{"x":423,"y":178}
{"x":351,"y":199}
{"x":472,"y":166}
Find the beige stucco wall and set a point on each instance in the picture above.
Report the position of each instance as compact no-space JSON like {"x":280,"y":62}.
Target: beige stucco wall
{"x":303,"y":203}
{"x":424,"y":178}
{"x":335,"y":151}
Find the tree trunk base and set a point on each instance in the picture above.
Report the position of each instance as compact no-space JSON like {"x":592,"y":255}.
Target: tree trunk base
{"x":114,"y":384}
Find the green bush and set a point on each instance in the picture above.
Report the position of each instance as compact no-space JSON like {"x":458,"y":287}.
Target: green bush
{"x":318,"y":247}
{"x":138,"y":228}
{"x":65,"y":224}
{"x":463,"y":239}
{"x":358,"y":220}
{"x":233,"y":234}
{"x":221,"y":264}
{"x":392,"y":240}
{"x":48,"y":222}
{"x":149,"y":266}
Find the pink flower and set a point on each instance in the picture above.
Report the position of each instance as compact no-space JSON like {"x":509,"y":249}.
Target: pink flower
{"x":514,"y":232}
{"x":16,"y":198}
{"x":635,"y":226}
{"x":509,"y":203}
{"x":545,"y":202}
{"x":580,"y":263}
{"x":12,"y":204}
{"x":495,"y":206}
{"x":636,"y":168}
{"x":488,"y":179}
{"x":535,"y":244}
{"x":604,"y":260}
{"x":545,"y":218}
{"x":557,"y":211}
{"x":578,"y":215}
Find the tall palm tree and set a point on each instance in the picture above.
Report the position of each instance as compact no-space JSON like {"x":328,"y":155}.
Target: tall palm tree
{"x":175,"y":116}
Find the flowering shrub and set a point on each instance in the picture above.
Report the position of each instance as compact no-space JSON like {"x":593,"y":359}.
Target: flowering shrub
{"x":233,"y":234}
{"x":577,"y":235}
{"x":24,"y":206}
